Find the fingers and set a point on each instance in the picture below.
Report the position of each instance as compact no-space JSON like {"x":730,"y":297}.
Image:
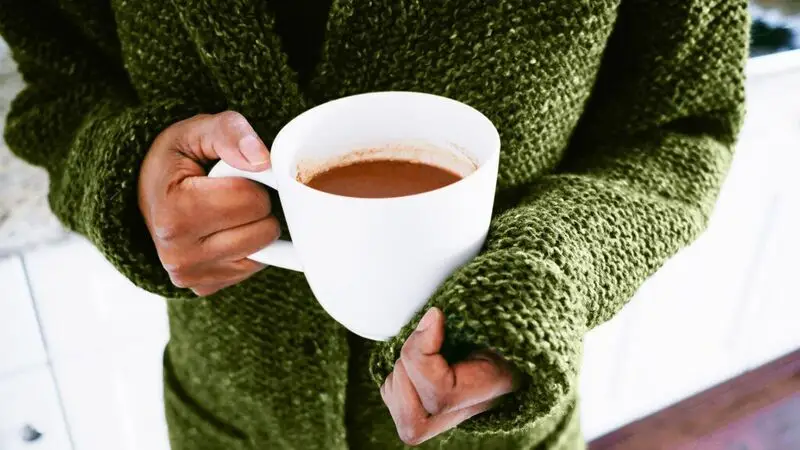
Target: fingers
{"x":443,"y":388}
{"x":202,"y":206}
{"x":227,"y":136}
{"x":219,"y":260}
{"x":209,"y":205}
{"x":198,"y":263}
{"x":414,"y":425}
{"x":429,"y":372}
{"x":426,"y":396}
{"x":242,"y":241}
{"x":203,"y":228}
{"x":212,"y":275}
{"x":481,"y":378}
{"x":443,"y":422}
{"x":194,"y":259}
{"x":401,"y":398}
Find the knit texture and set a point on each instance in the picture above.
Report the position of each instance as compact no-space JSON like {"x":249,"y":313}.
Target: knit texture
{"x":617,"y":118}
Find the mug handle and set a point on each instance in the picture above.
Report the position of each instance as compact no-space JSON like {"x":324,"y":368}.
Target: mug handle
{"x":280,"y":253}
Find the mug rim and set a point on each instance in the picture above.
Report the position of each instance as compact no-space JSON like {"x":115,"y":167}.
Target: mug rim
{"x":482,"y":167}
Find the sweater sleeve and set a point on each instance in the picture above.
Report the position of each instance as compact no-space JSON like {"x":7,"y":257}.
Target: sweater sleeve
{"x":78,"y":117}
{"x":638,"y":181}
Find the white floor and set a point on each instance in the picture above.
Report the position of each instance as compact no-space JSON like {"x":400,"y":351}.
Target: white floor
{"x":99,"y":349}
{"x":80,"y":347}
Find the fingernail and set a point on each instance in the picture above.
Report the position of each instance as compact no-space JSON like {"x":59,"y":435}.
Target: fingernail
{"x":427,"y":320}
{"x":253,"y":151}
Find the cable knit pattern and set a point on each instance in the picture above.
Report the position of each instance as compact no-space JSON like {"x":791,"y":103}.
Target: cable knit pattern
{"x":617,"y":119}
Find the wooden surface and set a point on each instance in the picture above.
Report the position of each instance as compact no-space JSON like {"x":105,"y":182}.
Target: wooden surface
{"x":759,"y":410}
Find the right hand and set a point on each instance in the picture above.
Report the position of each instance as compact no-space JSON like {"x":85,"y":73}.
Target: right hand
{"x":204,"y":228}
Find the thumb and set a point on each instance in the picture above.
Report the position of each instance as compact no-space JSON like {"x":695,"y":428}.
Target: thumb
{"x":429,"y":335}
{"x":227,"y":136}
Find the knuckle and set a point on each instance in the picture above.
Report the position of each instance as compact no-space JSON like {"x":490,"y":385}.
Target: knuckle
{"x":434,"y":401}
{"x":205,"y":291}
{"x":232,"y":120}
{"x":167,"y":232}
{"x":179,"y":279}
{"x":167,"y":229}
{"x":272,"y":229}
{"x":245,"y":268}
{"x":203,"y":141}
{"x":407,"y":352}
{"x":411,"y":433}
{"x":178,"y":271}
{"x":180,"y":135}
{"x":260,"y":200}
{"x":199,"y":118}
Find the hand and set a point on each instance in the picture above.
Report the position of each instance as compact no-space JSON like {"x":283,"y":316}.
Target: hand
{"x":426,"y":396}
{"x":204,"y":228}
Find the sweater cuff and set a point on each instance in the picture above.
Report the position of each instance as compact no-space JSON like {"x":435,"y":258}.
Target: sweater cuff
{"x":116,"y":143}
{"x":520,"y":306}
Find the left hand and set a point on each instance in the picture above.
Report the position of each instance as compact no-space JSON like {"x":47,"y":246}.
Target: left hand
{"x":426,"y":396}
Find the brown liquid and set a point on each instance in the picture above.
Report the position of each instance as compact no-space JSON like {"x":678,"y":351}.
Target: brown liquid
{"x":382,"y":179}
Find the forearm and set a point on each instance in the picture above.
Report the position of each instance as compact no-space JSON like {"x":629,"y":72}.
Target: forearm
{"x":607,"y":232}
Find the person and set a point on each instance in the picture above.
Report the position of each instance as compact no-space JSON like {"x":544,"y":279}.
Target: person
{"x":618,"y":121}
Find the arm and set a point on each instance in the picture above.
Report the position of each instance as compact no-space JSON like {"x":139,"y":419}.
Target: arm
{"x":637,"y":182}
{"x":80,"y":119}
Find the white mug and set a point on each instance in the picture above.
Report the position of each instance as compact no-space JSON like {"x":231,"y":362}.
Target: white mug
{"x":373,"y":263}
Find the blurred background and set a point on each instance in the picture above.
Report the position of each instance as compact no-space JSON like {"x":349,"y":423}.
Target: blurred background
{"x":80,"y":347}
{"x":776,"y":26}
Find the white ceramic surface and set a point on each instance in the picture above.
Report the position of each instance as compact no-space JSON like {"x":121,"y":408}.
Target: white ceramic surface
{"x":372,"y":263}
{"x":105,"y":340}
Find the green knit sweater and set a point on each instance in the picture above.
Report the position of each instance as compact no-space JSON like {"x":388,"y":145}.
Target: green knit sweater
{"x":617,"y":117}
